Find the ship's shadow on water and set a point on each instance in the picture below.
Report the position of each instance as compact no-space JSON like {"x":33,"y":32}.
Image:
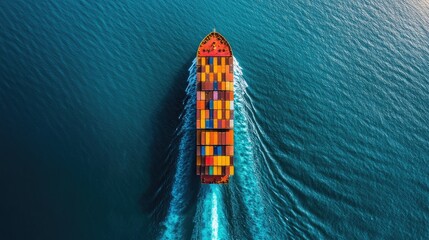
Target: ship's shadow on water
{"x":166,"y":124}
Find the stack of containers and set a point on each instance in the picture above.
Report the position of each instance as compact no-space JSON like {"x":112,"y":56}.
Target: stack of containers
{"x":215,"y":116}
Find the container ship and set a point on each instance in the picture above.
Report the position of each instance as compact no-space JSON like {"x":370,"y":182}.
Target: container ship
{"x":215,"y":110}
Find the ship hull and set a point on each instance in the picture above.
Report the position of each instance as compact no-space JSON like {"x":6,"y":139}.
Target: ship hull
{"x":215,"y":110}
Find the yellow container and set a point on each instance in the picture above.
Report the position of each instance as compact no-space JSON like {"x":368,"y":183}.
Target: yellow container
{"x":227,"y":114}
{"x":227,"y":160}
{"x":222,"y":60}
{"x":223,"y":69}
{"x":215,"y":61}
{"x":207,"y":137}
{"x":227,"y":105}
{"x":215,"y":125}
{"x":231,"y":170}
{"x":203,"y":77}
{"x":219,"y":114}
{"x":203,"y":114}
{"x":219,"y":75}
{"x":203,"y":61}
{"x":203,"y":124}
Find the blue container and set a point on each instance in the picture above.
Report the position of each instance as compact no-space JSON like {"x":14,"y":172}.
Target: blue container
{"x":203,"y":151}
{"x":211,"y":104}
{"x":210,"y":113}
{"x":215,"y":85}
{"x":217,"y":150}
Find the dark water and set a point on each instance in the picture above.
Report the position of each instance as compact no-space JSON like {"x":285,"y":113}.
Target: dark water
{"x":96,"y":120}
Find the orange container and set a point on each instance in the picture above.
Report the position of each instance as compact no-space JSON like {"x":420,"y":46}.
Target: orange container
{"x":203,"y":138}
{"x":229,"y":150}
{"x":215,"y":137}
{"x":228,"y":138}
{"x":229,"y":77}
{"x":227,"y":114}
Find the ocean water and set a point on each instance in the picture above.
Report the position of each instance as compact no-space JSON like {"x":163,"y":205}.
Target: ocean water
{"x":97,"y":120}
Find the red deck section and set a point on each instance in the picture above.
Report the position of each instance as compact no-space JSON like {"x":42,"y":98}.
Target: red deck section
{"x":214,"y":45}
{"x":215,"y":179}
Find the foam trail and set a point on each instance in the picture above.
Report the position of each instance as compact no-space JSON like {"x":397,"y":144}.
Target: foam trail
{"x":215,"y":217}
{"x":210,"y":219}
{"x":247,"y":175}
{"x":173,"y":224}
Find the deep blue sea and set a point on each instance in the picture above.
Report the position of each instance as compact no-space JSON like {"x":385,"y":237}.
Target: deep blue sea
{"x":97,"y":120}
